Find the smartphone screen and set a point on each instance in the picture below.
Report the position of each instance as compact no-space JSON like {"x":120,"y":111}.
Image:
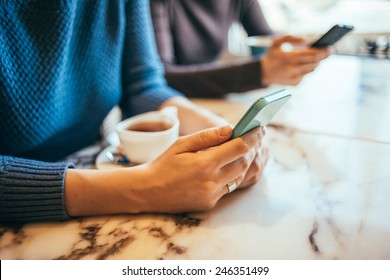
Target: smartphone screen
{"x":332,"y":36}
{"x":261,"y":112}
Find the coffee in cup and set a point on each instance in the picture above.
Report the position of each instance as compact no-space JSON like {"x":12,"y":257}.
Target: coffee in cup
{"x":149,"y":126}
{"x":144,"y":137}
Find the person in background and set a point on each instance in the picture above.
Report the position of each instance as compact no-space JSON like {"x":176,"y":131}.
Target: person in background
{"x":63,"y":66}
{"x":192,"y":34}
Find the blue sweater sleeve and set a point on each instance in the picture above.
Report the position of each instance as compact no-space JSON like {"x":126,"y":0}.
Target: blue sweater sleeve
{"x":31,"y":190}
{"x":143,"y":82}
{"x":34,"y":190}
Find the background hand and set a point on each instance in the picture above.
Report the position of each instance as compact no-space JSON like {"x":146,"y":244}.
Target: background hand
{"x":288,"y":67}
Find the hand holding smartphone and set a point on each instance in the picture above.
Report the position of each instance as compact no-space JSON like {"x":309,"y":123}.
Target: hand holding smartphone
{"x":332,"y":36}
{"x":261,"y":112}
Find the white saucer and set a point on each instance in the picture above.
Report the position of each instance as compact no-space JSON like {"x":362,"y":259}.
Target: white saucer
{"x":104,"y":162}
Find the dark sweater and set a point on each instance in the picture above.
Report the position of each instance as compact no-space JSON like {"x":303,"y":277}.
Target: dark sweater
{"x":191,"y":34}
{"x":63,"y":66}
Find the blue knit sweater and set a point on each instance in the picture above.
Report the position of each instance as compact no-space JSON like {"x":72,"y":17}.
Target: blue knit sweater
{"x":64,"y":64}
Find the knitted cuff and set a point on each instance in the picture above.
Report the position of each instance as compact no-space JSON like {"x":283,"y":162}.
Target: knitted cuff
{"x":31,"y":190}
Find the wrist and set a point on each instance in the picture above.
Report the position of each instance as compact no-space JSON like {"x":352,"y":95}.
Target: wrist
{"x":103,"y":192}
{"x":264,"y":76}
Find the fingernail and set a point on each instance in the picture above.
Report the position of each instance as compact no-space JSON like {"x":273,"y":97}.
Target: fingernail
{"x":224,"y":131}
{"x":263,"y":129}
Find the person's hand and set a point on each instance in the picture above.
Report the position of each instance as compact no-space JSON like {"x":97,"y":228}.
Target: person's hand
{"x":190,"y":176}
{"x":288,"y":67}
{"x":193,"y":173}
{"x":255,"y":171}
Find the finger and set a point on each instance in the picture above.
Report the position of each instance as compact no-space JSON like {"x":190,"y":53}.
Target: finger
{"x":236,"y":148}
{"x":225,"y":189}
{"x":256,"y":169}
{"x":295,"y":80}
{"x":254,"y":172}
{"x":265,"y":155}
{"x":299,"y":70}
{"x":293,"y":76}
{"x":239,"y":167}
{"x":301,"y":57}
{"x":324,"y":53}
{"x":287,"y":39}
{"x":320,"y":53}
{"x":307,"y":68}
{"x":204,"y":139}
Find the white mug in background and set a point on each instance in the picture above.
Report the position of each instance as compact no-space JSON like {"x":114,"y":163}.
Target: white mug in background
{"x":144,"y":137}
{"x":259,"y":45}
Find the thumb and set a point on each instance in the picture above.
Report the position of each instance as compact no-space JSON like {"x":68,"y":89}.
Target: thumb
{"x":205,"y":139}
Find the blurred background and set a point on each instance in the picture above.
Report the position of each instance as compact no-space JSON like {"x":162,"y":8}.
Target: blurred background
{"x":312,"y":18}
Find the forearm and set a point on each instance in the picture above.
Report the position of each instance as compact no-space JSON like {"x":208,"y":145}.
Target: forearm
{"x":214,"y":80}
{"x":104,"y":192}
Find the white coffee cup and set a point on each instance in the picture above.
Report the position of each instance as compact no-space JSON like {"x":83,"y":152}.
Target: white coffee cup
{"x":146,"y":136}
{"x":259,"y":45}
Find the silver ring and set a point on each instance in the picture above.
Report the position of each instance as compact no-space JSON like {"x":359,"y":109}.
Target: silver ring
{"x":231,"y":186}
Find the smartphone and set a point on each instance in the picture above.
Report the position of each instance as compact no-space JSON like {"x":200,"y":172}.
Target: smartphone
{"x":261,"y":112}
{"x":332,"y":36}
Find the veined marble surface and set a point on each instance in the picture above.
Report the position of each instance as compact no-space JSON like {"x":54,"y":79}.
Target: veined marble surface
{"x":325,"y":193}
{"x":345,"y":96}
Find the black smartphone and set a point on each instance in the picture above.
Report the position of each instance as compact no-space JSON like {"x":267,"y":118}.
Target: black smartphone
{"x":332,"y":36}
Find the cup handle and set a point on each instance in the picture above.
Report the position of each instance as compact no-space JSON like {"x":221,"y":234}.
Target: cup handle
{"x":170,"y":111}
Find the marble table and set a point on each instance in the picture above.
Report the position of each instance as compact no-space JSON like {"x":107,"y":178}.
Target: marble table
{"x":325,"y":193}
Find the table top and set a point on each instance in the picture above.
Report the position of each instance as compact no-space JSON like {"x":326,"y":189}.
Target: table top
{"x":325,"y":193}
